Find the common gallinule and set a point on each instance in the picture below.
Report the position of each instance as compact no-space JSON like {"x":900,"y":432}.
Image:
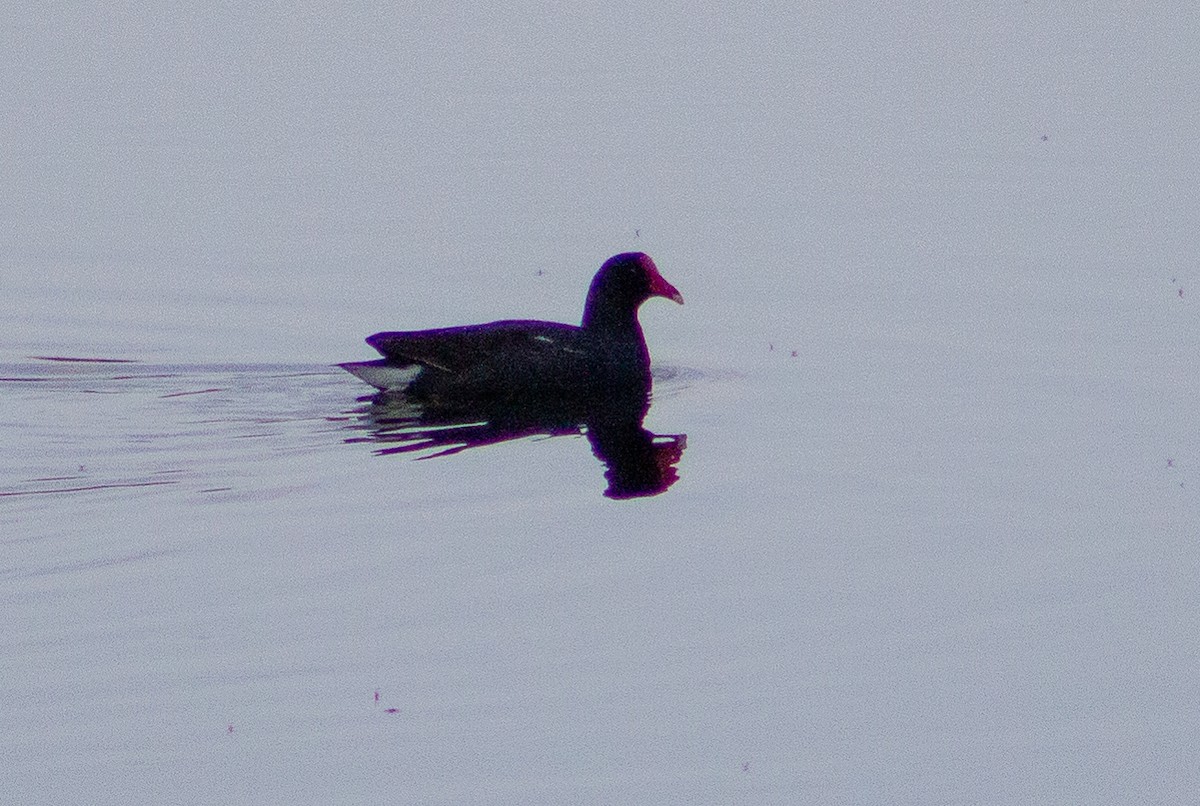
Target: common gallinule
{"x":516,"y":360}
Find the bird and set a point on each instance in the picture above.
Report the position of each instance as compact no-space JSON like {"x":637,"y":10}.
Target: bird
{"x":515,"y":360}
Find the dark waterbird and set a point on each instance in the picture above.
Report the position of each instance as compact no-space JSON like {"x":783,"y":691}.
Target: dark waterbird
{"x":443,"y":391}
{"x":523,"y":359}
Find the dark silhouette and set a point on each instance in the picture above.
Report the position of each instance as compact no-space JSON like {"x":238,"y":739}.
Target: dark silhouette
{"x":523,"y":360}
{"x":455,"y":388}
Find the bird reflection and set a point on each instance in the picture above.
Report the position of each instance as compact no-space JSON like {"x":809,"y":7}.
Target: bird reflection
{"x":638,"y":463}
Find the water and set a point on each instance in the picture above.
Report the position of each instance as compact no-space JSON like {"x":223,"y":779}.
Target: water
{"x":930,"y":530}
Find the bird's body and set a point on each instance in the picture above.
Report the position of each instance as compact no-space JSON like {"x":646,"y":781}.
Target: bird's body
{"x":516,"y":359}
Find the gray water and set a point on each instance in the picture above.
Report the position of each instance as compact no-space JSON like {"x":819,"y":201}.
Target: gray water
{"x":933,"y":535}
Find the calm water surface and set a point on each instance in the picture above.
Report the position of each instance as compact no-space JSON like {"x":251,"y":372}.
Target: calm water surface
{"x":218,"y":578}
{"x":933,"y":533}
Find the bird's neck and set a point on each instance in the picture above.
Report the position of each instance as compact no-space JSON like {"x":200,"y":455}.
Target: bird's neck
{"x":619,"y":339}
{"x":613,"y":325}
{"x":602,"y":314}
